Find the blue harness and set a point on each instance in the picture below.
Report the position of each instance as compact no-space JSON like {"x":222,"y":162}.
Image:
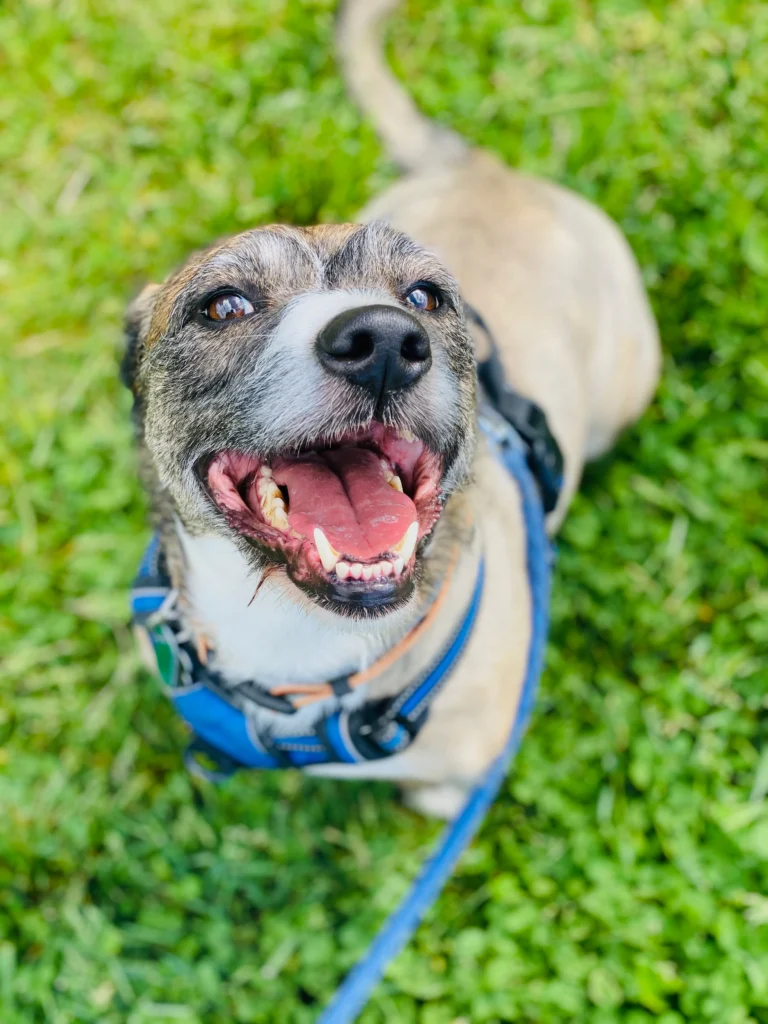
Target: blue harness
{"x":226,"y":734}
{"x":223,"y":730}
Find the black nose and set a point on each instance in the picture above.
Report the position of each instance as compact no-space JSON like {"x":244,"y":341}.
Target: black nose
{"x":379,"y":348}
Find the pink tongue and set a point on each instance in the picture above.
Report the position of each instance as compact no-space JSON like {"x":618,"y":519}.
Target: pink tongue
{"x":344,"y":492}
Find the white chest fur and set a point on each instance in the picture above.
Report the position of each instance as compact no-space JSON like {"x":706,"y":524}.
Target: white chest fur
{"x":277,"y":636}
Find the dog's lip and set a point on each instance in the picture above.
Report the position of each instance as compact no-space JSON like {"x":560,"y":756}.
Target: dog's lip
{"x":228,"y":478}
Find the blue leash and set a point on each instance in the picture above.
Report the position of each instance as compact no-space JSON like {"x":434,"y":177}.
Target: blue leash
{"x":354,"y":992}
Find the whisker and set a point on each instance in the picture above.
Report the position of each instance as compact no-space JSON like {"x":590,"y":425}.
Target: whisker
{"x":266,"y":573}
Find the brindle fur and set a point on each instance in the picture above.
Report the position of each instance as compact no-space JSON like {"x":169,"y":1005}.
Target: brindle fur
{"x":199,"y":386}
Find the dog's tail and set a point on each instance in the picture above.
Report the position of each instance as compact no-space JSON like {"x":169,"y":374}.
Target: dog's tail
{"x":410,"y":138}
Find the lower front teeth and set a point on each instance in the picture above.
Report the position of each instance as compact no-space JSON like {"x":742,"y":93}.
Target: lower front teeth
{"x":358,"y":571}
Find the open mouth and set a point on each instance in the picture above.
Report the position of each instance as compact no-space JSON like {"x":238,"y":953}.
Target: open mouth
{"x":345,"y":517}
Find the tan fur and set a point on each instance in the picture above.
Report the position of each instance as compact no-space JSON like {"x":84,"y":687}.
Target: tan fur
{"x":560,"y":290}
{"x":556,"y":283}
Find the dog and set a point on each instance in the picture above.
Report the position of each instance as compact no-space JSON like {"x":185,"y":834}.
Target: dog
{"x":305,"y":404}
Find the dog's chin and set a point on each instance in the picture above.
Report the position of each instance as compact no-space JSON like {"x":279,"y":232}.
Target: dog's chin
{"x":345,"y":517}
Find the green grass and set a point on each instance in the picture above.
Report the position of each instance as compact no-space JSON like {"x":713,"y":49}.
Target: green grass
{"x":622,"y":875}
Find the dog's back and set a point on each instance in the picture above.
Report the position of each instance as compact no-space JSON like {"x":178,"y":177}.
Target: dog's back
{"x":551,"y":274}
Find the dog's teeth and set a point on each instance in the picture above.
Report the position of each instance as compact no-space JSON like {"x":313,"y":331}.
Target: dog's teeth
{"x":407,"y":435}
{"x":277,"y":518}
{"x":328,"y":555}
{"x":342,"y":570}
{"x":392,"y":478}
{"x":385,"y":568}
{"x":407,"y":545}
{"x":397,"y":566}
{"x":265,"y":471}
{"x":280,"y":519}
{"x":268,"y":492}
{"x":356,"y":570}
{"x":272,"y":504}
{"x":367,"y":573}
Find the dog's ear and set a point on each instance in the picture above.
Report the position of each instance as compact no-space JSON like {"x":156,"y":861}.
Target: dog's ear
{"x":137,"y":320}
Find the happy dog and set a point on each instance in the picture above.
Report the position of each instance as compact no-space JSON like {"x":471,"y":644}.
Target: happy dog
{"x":305,"y":403}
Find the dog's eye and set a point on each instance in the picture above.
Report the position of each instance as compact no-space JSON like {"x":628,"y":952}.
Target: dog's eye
{"x":229,"y":306}
{"x":422,"y":297}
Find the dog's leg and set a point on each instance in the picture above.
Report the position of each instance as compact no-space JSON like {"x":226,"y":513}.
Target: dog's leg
{"x":435,"y":799}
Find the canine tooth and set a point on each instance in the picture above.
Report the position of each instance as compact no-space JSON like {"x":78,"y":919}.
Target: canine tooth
{"x":392,"y":478}
{"x":328,"y":555}
{"x":407,"y":435}
{"x":386,"y":568}
{"x":356,"y":570}
{"x":407,"y":545}
{"x":342,"y":570}
{"x":397,"y":566}
{"x":265,"y":471}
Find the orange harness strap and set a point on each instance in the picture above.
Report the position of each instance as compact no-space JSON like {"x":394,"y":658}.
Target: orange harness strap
{"x":314,"y":692}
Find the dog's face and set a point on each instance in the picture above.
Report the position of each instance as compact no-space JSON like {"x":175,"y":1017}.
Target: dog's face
{"x":310,"y":394}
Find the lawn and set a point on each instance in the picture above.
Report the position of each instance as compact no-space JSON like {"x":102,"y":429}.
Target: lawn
{"x":623,"y":873}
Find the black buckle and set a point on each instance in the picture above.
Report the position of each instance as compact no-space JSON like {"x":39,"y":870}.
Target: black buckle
{"x":365,"y":722}
{"x":240,"y":693}
{"x":361,"y":724}
{"x":265,"y":699}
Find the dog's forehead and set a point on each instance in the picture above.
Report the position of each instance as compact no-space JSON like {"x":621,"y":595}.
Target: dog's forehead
{"x":282,"y":261}
{"x":333,"y":255}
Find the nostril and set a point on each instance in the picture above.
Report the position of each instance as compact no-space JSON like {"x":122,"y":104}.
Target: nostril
{"x":353,"y":346}
{"x":415,"y":348}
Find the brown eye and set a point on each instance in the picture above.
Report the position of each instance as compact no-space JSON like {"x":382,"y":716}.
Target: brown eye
{"x":230,"y":306}
{"x":422,"y":298}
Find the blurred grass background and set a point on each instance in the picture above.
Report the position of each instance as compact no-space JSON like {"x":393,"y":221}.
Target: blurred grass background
{"x":622,"y":876}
